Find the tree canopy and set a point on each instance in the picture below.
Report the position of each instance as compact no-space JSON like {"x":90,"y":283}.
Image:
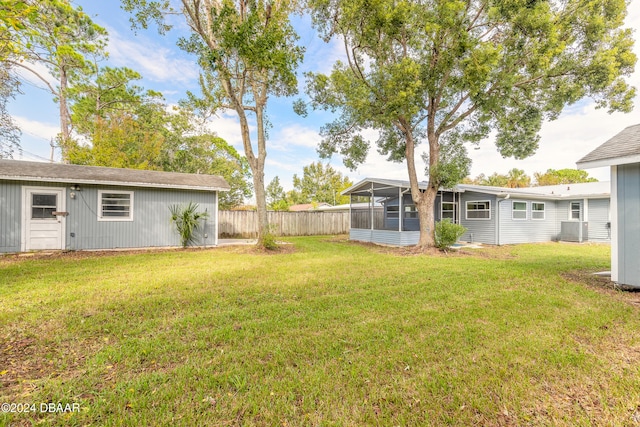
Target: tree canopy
{"x":320,"y":183}
{"x":247,"y":52}
{"x":452,"y":70}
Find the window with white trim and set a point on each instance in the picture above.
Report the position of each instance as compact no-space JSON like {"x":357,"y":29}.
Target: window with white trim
{"x":519,"y":210}
{"x":479,"y":209}
{"x":537,"y":210}
{"x":410,"y":211}
{"x":393,"y":211}
{"x":575,"y":210}
{"x":115,"y":205}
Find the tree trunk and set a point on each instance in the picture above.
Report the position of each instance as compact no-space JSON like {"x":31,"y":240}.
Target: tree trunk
{"x":65,"y":121}
{"x":423,"y":199}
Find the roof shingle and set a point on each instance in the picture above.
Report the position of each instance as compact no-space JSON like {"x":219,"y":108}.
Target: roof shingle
{"x":75,"y":174}
{"x":620,"y":149}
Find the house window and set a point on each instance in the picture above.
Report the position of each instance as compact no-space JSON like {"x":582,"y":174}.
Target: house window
{"x":519,"y":210}
{"x":410,"y":211}
{"x":575,"y":211}
{"x":115,"y":206}
{"x":479,"y":210}
{"x":448,"y":211}
{"x":392,"y":212}
{"x":537,"y":210}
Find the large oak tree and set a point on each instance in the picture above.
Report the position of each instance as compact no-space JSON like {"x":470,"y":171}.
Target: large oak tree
{"x":442,"y":72}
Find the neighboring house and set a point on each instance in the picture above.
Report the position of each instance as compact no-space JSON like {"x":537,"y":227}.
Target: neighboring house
{"x":48,"y":206}
{"x":308,"y":207}
{"x":622,"y":154}
{"x":491,"y":215}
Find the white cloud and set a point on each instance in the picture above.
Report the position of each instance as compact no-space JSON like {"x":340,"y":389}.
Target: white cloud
{"x":38,"y":129}
{"x":293,"y":136}
{"x":154,"y":61}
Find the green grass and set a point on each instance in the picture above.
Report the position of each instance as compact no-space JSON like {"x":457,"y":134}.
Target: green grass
{"x":331,"y":334}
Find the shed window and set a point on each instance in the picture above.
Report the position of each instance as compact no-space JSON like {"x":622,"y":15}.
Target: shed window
{"x":537,"y":210}
{"x":519,"y":210}
{"x":479,"y":210}
{"x":115,"y":206}
{"x":43,"y":206}
{"x":575,"y":211}
{"x":410,"y":211}
{"x":392,"y":212}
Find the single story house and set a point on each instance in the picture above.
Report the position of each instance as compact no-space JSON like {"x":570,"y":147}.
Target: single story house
{"x":622,"y":154}
{"x":491,"y":215}
{"x":48,"y":206}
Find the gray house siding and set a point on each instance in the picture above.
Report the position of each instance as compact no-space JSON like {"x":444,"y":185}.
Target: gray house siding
{"x":11,"y":212}
{"x":527,"y":230}
{"x":478,"y":230}
{"x":151,"y":225}
{"x":599,"y":220}
{"x":628,"y":217}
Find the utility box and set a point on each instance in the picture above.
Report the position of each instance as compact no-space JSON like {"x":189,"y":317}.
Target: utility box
{"x":574,"y":231}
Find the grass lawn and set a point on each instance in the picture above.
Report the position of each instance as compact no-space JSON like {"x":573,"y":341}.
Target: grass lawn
{"x":327,"y":333}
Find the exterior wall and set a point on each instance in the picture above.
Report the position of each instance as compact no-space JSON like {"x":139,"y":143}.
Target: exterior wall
{"x":11,"y":212}
{"x":478,"y":230}
{"x":599,"y":220}
{"x":151,"y":225}
{"x":527,"y":230}
{"x":385,"y":237}
{"x":628,"y":218}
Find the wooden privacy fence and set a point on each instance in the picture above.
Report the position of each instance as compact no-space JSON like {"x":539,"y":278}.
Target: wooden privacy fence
{"x":245,"y":223}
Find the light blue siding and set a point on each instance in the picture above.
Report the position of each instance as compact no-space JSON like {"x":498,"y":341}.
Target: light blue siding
{"x":599,"y":220}
{"x":629,"y":224}
{"x":385,"y":237}
{"x":11,"y":212}
{"x":151,"y":225}
{"x":478,"y":230}
{"x":527,"y":230}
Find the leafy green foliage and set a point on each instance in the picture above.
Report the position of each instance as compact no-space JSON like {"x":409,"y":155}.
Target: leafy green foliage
{"x":246,"y":52}
{"x":417,"y":71}
{"x":210,"y":154}
{"x":276,"y":197}
{"x":447,"y":233}
{"x":187,"y":221}
{"x":68,"y":43}
{"x":320,"y":184}
{"x":562,"y":176}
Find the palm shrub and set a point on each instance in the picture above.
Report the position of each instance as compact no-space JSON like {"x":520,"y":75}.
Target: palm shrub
{"x":187,"y":221}
{"x":447,"y":233}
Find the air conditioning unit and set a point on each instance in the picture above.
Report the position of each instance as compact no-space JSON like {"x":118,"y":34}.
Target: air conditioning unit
{"x":574,"y":231}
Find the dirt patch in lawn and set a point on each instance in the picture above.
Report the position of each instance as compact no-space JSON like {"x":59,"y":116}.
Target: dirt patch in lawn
{"x":604,"y":285}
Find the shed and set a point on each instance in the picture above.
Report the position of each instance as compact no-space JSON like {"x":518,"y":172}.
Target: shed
{"x":50,"y":206}
{"x":622,"y":154}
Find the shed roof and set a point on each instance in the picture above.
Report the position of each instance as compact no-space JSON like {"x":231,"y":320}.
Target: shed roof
{"x":621,"y":149}
{"x":18,"y":170}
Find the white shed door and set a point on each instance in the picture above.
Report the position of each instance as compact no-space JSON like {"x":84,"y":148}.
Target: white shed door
{"x":43,"y":222}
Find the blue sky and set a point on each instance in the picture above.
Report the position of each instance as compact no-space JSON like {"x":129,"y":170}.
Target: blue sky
{"x":293,"y":139}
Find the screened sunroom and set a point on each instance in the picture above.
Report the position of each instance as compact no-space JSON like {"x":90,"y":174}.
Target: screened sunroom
{"x":382,"y":211}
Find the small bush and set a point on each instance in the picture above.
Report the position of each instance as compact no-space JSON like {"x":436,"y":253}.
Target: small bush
{"x":269,"y":242}
{"x":447,"y":233}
